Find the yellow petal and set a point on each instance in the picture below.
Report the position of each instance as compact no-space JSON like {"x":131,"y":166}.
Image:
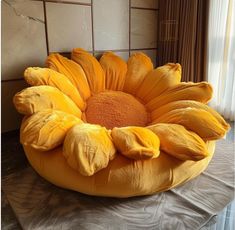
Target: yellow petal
{"x":46,"y":129}
{"x":72,"y":71}
{"x":138,"y":66}
{"x":88,"y":148}
{"x":201,"y":92}
{"x":179,"y":142}
{"x":185,"y":104}
{"x":38,"y":98}
{"x":197,"y":120}
{"x":158,"y":80}
{"x":136,"y":142}
{"x":43,"y":76}
{"x":92,"y":68}
{"x":115,"y":71}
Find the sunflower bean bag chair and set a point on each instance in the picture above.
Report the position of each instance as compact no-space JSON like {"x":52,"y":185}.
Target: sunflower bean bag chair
{"x":111,"y":128}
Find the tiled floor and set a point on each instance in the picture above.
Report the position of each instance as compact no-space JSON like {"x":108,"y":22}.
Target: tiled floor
{"x":12,"y":163}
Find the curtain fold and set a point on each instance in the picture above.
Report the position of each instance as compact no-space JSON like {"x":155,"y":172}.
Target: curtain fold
{"x":183,"y":36}
{"x":221,"y":56}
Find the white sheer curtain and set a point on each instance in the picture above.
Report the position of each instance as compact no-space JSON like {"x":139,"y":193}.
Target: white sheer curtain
{"x":221,"y":56}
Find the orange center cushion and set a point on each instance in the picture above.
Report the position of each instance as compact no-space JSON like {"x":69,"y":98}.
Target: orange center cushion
{"x":116,"y":109}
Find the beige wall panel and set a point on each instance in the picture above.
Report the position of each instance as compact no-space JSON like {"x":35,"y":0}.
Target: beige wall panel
{"x":23,"y":37}
{"x":143,"y":29}
{"x":111,"y":24}
{"x":69,"y":26}
{"x":153,"y":4}
{"x":74,"y":1}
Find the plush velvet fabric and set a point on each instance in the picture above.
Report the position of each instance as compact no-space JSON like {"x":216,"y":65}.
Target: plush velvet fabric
{"x":153,"y":136}
{"x":122,"y":177}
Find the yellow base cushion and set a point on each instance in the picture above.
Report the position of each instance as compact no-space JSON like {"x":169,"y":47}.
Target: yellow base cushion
{"x":123,"y":177}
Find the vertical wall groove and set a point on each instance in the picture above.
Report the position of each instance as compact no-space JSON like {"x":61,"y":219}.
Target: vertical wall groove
{"x":45,"y":23}
{"x":129,"y":28}
{"x":92,"y":27}
{"x":158,"y":34}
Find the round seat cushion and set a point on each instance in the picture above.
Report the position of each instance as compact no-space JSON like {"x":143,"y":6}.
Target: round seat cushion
{"x":123,"y":177}
{"x":115,"y":128}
